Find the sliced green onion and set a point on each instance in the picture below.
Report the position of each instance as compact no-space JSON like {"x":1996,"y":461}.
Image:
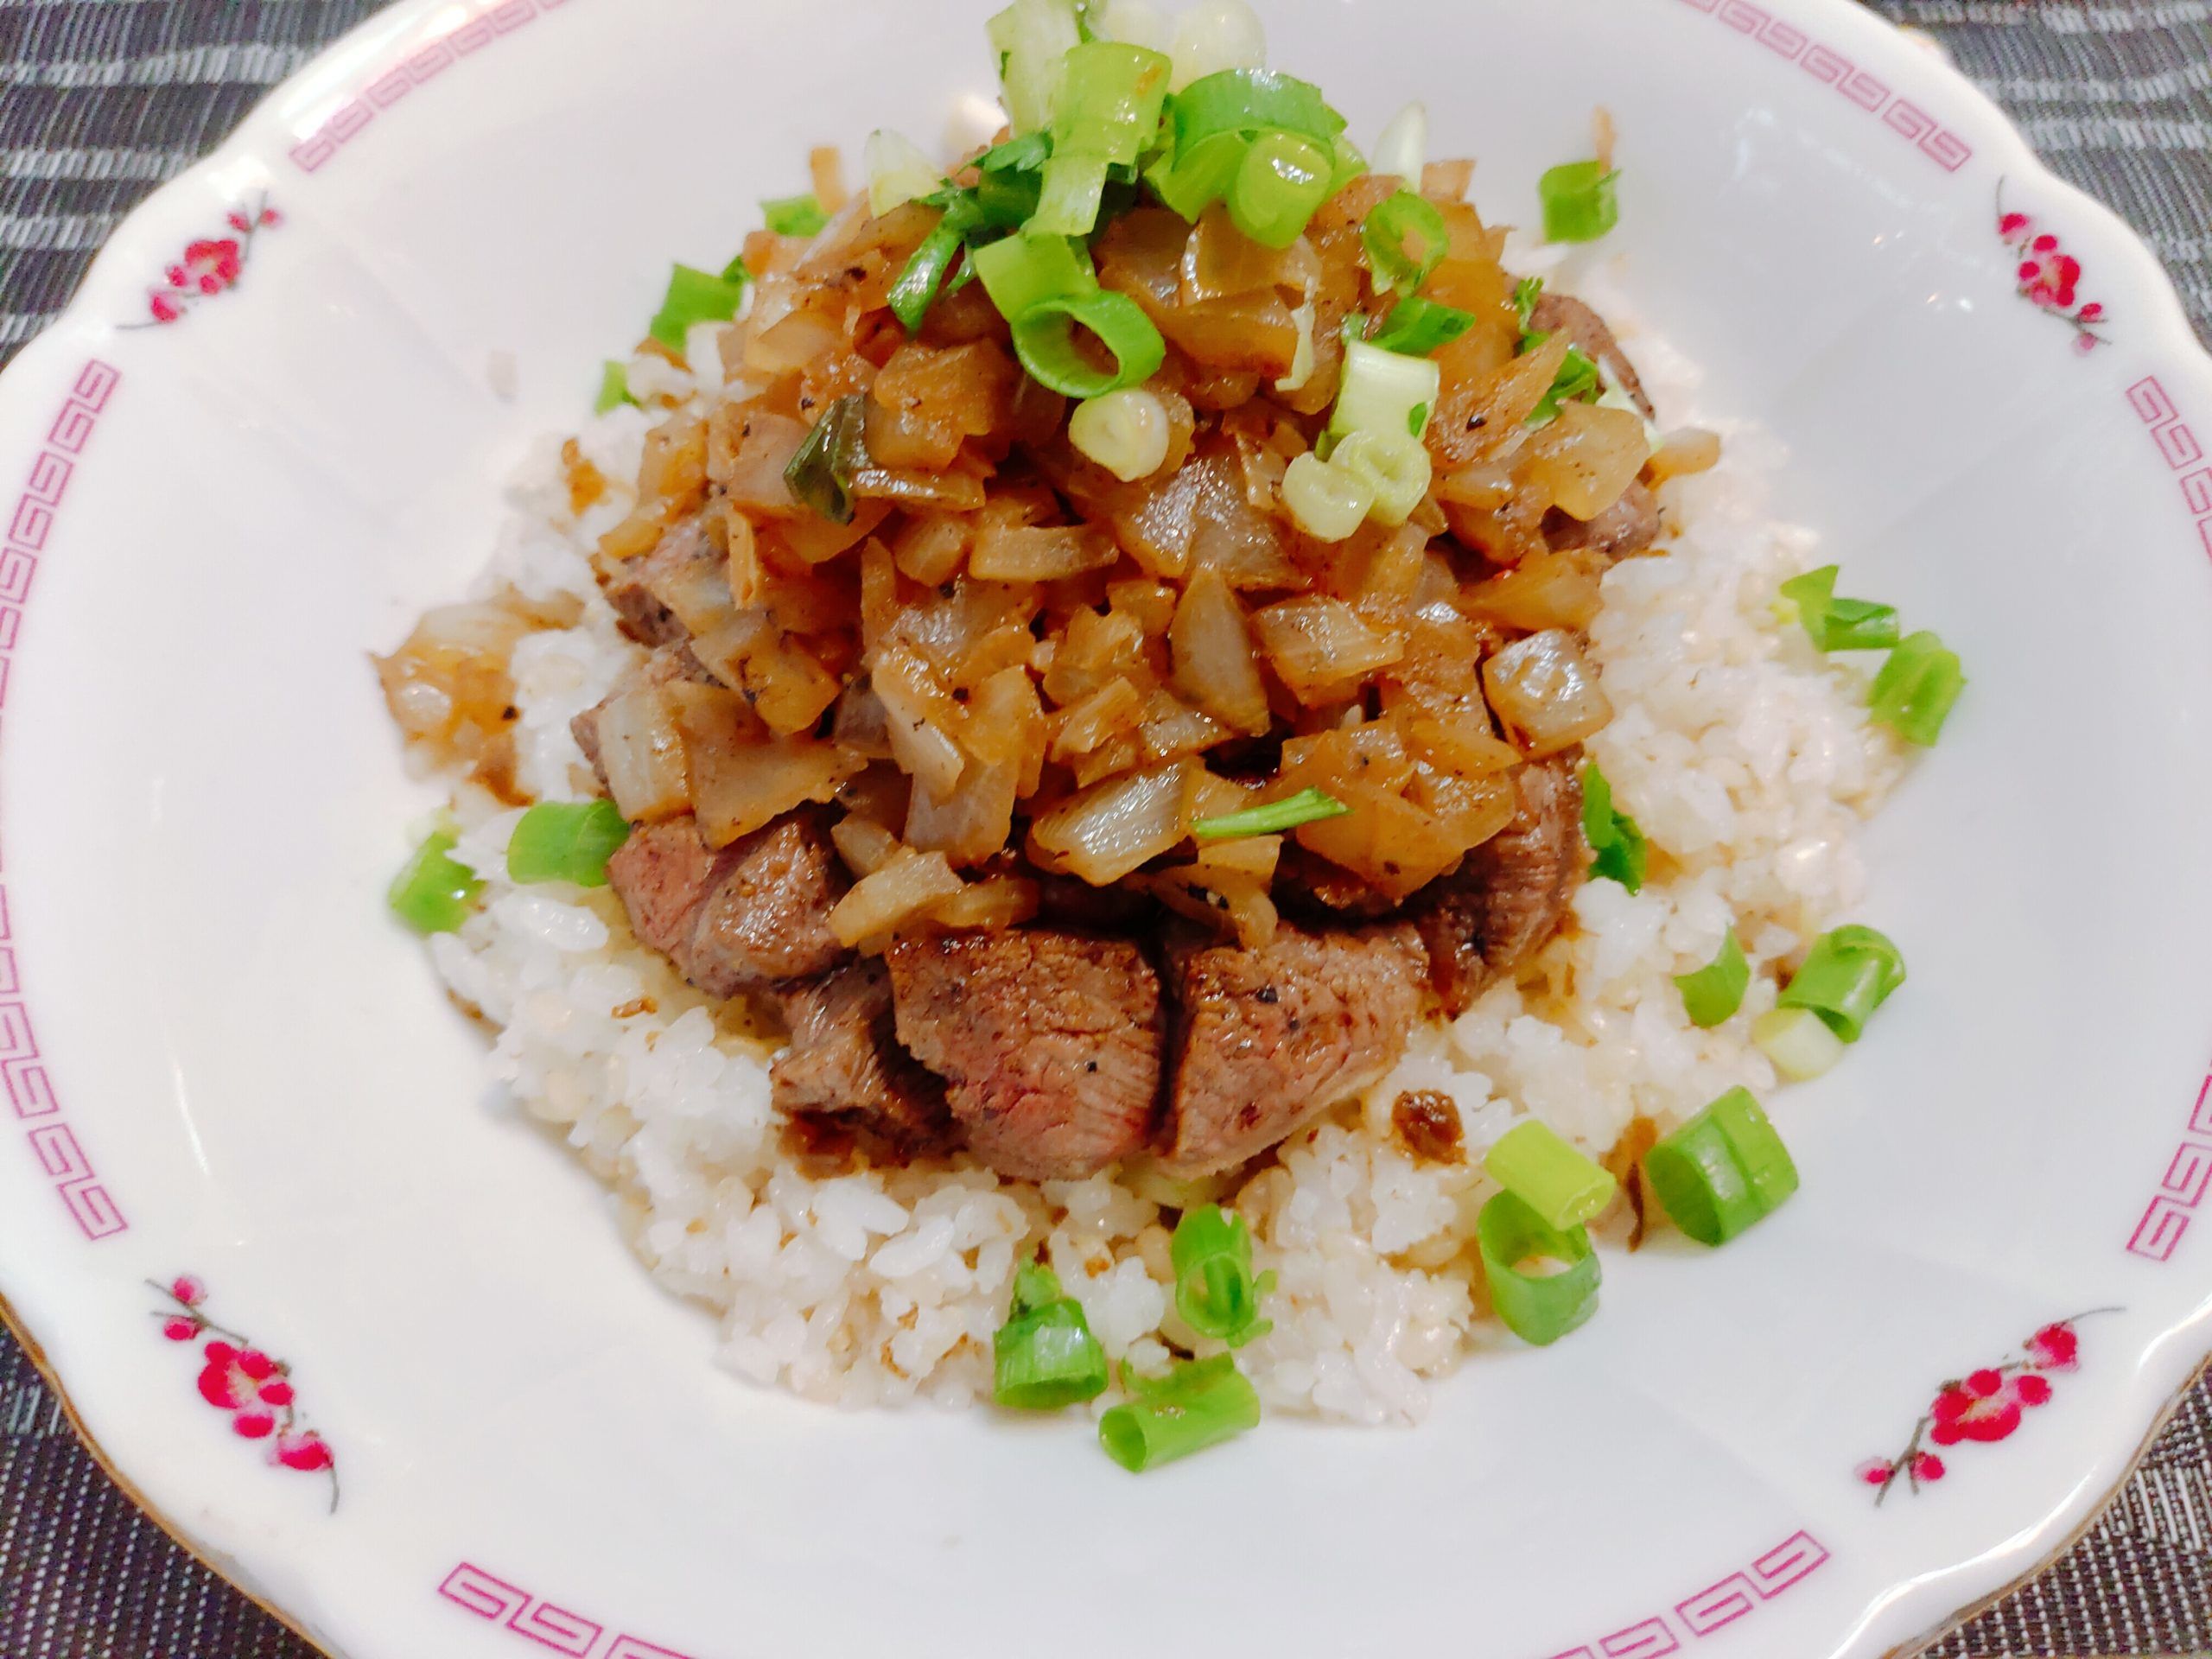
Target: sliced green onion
{"x":1526,"y":293}
{"x":1024,"y":155}
{"x":1247,"y":102}
{"x":1537,"y":1307}
{"x":1798,"y":1042}
{"x":434,"y":893}
{"x":1554,"y":1178}
{"x":1848,"y":973}
{"x":1216,"y":1291}
{"x":1325,"y":500}
{"x":1716,"y":990}
{"x":1307,"y":806}
{"x":1620,"y":850}
{"x":613,"y":387}
{"x":916,"y":290}
{"x":1198,"y":176}
{"x":1576,"y":380}
{"x":1281,"y":183}
{"x":567,"y":840}
{"x":1396,"y":466}
{"x":1198,"y":1404}
{"x":1045,"y":340}
{"x":898,"y":171}
{"x":1350,"y":164}
{"x":1217,"y":34}
{"x":1579,"y":201}
{"x":1723,"y":1172}
{"x":696,"y":296}
{"x":1835,"y":623}
{"x":1110,"y":102}
{"x":1044,"y":1357}
{"x":1125,"y":432}
{"x":1072,"y":192}
{"x":820,"y":474}
{"x":795,"y":215}
{"x":1415,"y":327}
{"x":1380,"y":390}
{"x":1403,"y":148}
{"x":1032,"y":39}
{"x":1021,"y":270}
{"x":1913,"y":693}
{"x":1406,"y":239}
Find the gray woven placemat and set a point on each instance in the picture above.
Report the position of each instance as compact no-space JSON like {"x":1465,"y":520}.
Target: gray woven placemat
{"x":100,"y":100}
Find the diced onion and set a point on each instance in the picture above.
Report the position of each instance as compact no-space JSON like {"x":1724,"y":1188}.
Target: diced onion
{"x":1137,"y":22}
{"x":908,"y":884}
{"x":1214,"y":663}
{"x":1107,"y":831}
{"x":1321,"y":646}
{"x":898,"y":171}
{"x":1798,"y":1041}
{"x":643,"y":757}
{"x":1546,"y":692}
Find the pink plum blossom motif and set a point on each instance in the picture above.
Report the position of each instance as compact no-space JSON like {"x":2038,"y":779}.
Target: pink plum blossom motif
{"x":210,"y":266}
{"x":2048,"y":277}
{"x":1981,"y":1407}
{"x":237,"y":1378}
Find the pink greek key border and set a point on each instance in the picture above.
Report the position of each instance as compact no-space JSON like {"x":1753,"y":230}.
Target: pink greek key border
{"x":1718,"y":1604}
{"x":23,"y":1078}
{"x":1830,"y":67}
{"x":496,"y":1601}
{"x":493,"y":23}
{"x":2181,"y":1190}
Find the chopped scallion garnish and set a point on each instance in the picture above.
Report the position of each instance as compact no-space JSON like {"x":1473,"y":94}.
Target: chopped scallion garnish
{"x":1620,"y":850}
{"x":1044,"y":1357}
{"x":1848,"y":973}
{"x":820,"y":474}
{"x":1307,"y":806}
{"x":1280,"y":185}
{"x":1380,"y":391}
{"x":794,"y":215}
{"x":1246,"y":102}
{"x":1715,"y":991}
{"x":1797,"y":1041}
{"x":1723,"y":1171}
{"x":1554,"y":1178}
{"x":1577,"y":380}
{"x":1198,"y":1404}
{"x":1045,"y":340}
{"x":567,"y":840}
{"x":1835,"y":623}
{"x":1416,"y":326}
{"x":613,"y":388}
{"x":434,"y":892}
{"x":1216,"y":1291}
{"x":1918,"y":683}
{"x":1537,"y":1307}
{"x":1526,"y":293}
{"x":694,"y":297}
{"x":1405,"y":240}
{"x":1579,"y":201}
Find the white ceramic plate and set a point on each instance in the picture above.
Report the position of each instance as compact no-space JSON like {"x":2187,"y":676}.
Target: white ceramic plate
{"x":219,"y":1059}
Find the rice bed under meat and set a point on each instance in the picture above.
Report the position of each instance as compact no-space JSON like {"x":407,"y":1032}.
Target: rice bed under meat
{"x":1746,"y":757}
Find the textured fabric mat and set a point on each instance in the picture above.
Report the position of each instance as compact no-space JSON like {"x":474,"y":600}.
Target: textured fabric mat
{"x":100,"y":100}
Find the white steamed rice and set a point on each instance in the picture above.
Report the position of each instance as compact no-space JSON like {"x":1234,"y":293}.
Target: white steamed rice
{"x":1746,"y":757}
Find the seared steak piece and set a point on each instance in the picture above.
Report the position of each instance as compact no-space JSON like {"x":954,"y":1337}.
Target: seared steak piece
{"x":1558,"y":313}
{"x":1629,"y":526}
{"x":686,"y":553}
{"x":1266,"y":1038}
{"x":1308,"y":885}
{"x":748,"y":916}
{"x":665,"y":666}
{"x":1512,"y":893}
{"x":1049,"y":1042}
{"x":845,"y":1062}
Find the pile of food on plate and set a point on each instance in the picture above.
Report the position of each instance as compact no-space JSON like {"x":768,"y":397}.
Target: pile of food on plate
{"x":1144,"y":769}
